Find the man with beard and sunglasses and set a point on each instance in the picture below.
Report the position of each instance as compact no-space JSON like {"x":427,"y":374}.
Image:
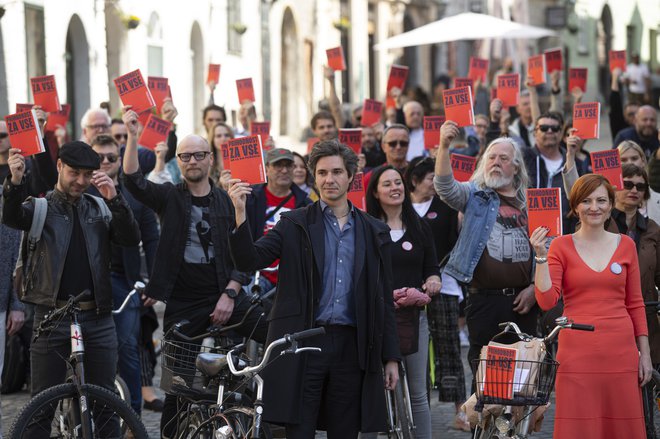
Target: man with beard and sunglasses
{"x":492,"y":256}
{"x":194,"y":275}
{"x":546,"y":160}
{"x":126,"y":269}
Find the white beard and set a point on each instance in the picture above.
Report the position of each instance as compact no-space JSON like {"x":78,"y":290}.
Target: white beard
{"x":497,"y":181}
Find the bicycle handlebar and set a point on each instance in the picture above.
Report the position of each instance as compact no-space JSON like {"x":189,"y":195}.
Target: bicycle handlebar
{"x":562,"y":323}
{"x":138,"y":287}
{"x":287,"y":339}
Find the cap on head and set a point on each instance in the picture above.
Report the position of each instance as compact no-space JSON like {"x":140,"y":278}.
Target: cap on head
{"x":79,"y":155}
{"x":277,"y":154}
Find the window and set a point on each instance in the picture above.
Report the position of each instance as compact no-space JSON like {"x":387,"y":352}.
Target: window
{"x":154,"y":46}
{"x":234,"y":24}
{"x":35,"y":41}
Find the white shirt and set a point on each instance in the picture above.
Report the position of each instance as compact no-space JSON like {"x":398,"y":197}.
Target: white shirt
{"x":423,"y":207}
{"x":416,"y":146}
{"x":637,"y":74}
{"x":552,"y":166}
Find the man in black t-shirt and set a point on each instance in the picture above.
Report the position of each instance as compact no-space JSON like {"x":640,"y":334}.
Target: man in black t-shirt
{"x":193,"y":273}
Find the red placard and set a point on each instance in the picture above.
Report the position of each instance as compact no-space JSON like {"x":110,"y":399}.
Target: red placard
{"x":464,"y":82}
{"x":213,"y":74}
{"x":134,"y":92}
{"x":536,"y":69}
{"x":245,"y":90}
{"x":553,"y":60}
{"x":586,"y":119}
{"x":371,"y":110}
{"x":262,"y":129}
{"x":59,"y":119}
{"x":311,"y":142}
{"x":458,"y":105}
{"x":24,"y":133}
{"x":154,"y":132}
{"x":577,"y":77}
{"x":44,"y":92}
{"x":226,"y":163}
{"x":351,"y":137}
{"x":508,"y":89}
{"x":22,"y":108}
{"x":356,"y":192}
{"x":159,"y":89}
{"x":462,"y":166}
{"x":608,"y":164}
{"x":478,"y":69}
{"x":398,"y":76}
{"x":500,"y":371}
{"x":246,"y":159}
{"x":544,"y":210}
{"x":336,"y":60}
{"x":432,"y":125}
{"x":618,"y":60}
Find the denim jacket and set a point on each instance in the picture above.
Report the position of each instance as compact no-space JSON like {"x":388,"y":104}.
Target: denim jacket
{"x":480,"y":208}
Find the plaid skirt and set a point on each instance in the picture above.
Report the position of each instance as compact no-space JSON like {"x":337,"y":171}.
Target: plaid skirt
{"x":443,"y":326}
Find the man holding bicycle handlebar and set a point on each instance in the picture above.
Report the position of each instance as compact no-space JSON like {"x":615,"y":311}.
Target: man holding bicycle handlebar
{"x":335,"y":272}
{"x":194,"y":274}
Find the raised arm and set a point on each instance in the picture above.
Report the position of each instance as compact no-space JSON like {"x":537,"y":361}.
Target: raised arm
{"x":130,"y":163}
{"x":333,"y":99}
{"x":450,"y":191}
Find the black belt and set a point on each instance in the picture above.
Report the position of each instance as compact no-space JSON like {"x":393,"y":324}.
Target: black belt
{"x":496,"y":292}
{"x":84,"y":306}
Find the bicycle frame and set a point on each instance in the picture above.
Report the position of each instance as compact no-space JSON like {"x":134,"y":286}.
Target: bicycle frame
{"x":394,"y":424}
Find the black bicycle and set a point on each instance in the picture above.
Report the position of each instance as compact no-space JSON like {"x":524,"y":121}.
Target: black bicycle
{"x":75,"y":409}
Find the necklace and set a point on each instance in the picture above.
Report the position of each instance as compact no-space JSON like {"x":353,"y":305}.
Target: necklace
{"x":344,"y":215}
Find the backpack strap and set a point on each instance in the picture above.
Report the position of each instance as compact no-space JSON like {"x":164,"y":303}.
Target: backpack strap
{"x":105,"y":211}
{"x":38,"y":220}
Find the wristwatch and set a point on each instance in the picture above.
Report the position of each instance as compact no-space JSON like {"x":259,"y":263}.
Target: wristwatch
{"x":232,"y":294}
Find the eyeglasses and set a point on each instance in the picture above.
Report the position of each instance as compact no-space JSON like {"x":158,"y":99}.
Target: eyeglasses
{"x":401,"y":143}
{"x":641,"y":187}
{"x":120,"y":137}
{"x":98,"y":127}
{"x":551,"y":128}
{"x":112,"y":158}
{"x":4,"y":135}
{"x":199,"y":156}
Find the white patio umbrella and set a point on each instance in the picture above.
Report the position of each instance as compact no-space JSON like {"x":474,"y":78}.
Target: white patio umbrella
{"x":465,"y":26}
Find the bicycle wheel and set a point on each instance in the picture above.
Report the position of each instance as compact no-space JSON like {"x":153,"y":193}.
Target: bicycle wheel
{"x":235,"y":423}
{"x":54,"y":412}
{"x":403,"y":423}
{"x":122,"y":388}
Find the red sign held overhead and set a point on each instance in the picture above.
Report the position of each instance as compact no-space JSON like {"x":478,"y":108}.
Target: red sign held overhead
{"x":245,"y":90}
{"x":45,"y":93}
{"x":134,"y":92}
{"x":24,"y":133}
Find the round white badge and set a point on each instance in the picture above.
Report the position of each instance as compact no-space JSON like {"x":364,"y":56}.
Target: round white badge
{"x":616,"y":268}
{"x":407,"y":246}
{"x":432,"y":215}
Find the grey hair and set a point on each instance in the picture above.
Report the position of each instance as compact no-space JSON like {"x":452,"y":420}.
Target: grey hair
{"x":520,"y":178}
{"x":395,"y":126}
{"x":85,"y":118}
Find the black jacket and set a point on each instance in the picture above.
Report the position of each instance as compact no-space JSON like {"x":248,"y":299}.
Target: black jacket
{"x":173,"y":206}
{"x":298,"y":240}
{"x":255,"y":207}
{"x":51,"y":250}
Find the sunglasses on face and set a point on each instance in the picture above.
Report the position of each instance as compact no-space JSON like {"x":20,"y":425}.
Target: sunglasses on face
{"x":551,"y":128}
{"x":641,"y":187}
{"x":199,"y":156}
{"x":120,"y":137}
{"x":112,"y":158}
{"x":401,"y":143}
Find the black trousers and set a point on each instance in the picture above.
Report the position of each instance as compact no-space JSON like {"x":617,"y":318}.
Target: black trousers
{"x":332,"y":387}
{"x":483,"y":315}
{"x":197,"y":314}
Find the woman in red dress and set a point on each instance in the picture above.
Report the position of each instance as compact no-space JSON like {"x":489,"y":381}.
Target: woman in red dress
{"x":600,"y":373}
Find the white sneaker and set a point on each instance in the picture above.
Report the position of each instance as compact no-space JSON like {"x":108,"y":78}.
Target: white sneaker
{"x":463,"y":337}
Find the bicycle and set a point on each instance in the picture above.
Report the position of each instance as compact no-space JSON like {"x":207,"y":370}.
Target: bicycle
{"x":75,"y":409}
{"x":400,"y":423}
{"x":509,"y":390}
{"x":233,"y":414}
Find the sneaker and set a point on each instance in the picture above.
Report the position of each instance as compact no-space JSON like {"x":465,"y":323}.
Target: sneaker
{"x":461,"y":423}
{"x":155,"y":405}
{"x":463,"y":337}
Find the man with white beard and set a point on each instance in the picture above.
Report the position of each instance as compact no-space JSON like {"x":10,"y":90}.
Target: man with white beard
{"x":492,"y":256}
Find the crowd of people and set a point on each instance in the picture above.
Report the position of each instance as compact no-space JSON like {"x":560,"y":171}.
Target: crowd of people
{"x":428,"y":260}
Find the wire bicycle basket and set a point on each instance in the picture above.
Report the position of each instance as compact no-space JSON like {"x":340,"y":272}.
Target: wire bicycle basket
{"x":179,"y":371}
{"x":509,"y":381}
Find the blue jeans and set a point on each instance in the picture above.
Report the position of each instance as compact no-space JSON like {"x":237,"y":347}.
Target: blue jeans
{"x":127,"y":324}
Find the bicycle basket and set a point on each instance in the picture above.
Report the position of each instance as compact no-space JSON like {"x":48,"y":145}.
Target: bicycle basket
{"x":514,"y":382}
{"x":179,"y":372}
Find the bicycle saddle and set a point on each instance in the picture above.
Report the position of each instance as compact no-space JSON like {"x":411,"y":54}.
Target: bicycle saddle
{"x":210,"y":364}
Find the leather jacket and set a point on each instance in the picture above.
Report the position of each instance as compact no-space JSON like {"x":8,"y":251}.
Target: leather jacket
{"x":50,"y":253}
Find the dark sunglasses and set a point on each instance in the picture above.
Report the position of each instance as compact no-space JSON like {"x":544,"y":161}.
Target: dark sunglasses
{"x":641,"y":187}
{"x":551,"y":128}
{"x":401,"y":143}
{"x":4,"y":135}
{"x":120,"y":137}
{"x":112,"y":158}
{"x":199,"y":156}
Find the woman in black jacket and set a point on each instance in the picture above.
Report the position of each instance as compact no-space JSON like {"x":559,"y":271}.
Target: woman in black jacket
{"x":415,"y":280}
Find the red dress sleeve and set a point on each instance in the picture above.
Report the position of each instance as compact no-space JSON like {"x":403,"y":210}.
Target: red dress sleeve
{"x":634,"y":300}
{"x":548,"y":299}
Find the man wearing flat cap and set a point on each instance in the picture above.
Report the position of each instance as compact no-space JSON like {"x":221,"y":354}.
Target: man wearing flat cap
{"x":72,"y":255}
{"x":270,"y":200}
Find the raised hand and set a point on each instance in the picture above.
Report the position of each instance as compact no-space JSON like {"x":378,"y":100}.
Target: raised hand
{"x":16,"y":164}
{"x":238,"y":192}
{"x":448,"y":132}
{"x":130,"y":119}
{"x":104,"y":185}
